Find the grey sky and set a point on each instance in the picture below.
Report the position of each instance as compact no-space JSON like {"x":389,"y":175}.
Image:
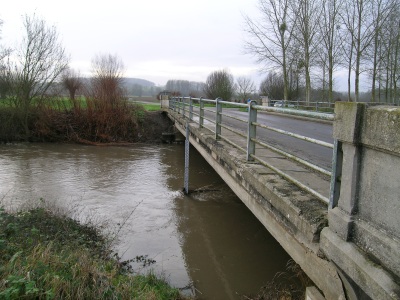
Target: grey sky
{"x":156,"y":39}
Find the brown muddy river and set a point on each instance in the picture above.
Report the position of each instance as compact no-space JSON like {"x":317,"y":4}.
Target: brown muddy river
{"x":207,"y":243}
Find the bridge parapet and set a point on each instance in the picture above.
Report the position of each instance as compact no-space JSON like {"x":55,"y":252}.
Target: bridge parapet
{"x":363,"y":237}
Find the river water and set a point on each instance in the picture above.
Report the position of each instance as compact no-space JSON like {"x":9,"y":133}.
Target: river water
{"x":207,"y":243}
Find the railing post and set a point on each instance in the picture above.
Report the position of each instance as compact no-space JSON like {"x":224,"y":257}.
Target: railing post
{"x":201,"y":117}
{"x":190,"y":108}
{"x":251,"y":130}
{"x":218,"y":118}
{"x":337,"y":161}
{"x":178,"y":100}
{"x":184,"y":107}
{"x":316,"y":106}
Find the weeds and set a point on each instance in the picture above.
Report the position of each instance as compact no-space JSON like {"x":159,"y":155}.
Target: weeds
{"x":46,"y":255}
{"x":288,"y":285}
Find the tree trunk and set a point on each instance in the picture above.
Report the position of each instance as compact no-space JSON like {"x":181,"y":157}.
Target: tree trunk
{"x":349,"y":75}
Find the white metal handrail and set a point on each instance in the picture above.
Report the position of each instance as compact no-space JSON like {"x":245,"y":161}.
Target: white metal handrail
{"x":185,"y":106}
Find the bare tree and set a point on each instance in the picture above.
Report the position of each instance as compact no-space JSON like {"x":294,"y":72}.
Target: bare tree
{"x":220,"y":84}
{"x":182,"y":87}
{"x":269,"y":39}
{"x":394,"y":62}
{"x":72,"y":81}
{"x":245,"y":88}
{"x":39,"y":62}
{"x":358,"y":21}
{"x":107,"y":79}
{"x":4,"y":69}
{"x":185,"y":87}
{"x":307,"y":14}
{"x":330,"y":51}
{"x":389,"y":76}
{"x":137,"y":90}
{"x":382,"y":11}
{"x":3,"y":51}
{"x":272,"y":86}
{"x":4,"y":82}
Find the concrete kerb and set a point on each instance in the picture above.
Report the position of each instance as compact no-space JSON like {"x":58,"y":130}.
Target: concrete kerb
{"x":291,"y":227}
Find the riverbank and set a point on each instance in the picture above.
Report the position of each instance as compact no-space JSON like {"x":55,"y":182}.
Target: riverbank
{"x":83,"y":122}
{"x":47,"y":255}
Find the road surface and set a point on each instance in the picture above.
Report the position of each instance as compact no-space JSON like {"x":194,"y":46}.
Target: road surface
{"x":319,"y":155}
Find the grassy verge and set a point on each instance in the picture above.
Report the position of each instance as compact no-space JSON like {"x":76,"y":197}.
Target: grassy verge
{"x":152,"y":107}
{"x":45,"y":255}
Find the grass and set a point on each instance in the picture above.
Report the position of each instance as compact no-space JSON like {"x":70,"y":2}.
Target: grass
{"x":152,"y":107}
{"x":48,"y":255}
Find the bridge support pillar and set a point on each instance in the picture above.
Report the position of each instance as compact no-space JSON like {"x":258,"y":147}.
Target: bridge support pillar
{"x":363,"y":237}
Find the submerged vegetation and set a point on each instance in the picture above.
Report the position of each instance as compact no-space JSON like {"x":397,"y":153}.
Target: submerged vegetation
{"x":48,"y":255}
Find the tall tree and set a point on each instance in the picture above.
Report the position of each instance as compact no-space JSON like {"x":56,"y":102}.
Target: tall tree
{"x":4,"y":82}
{"x":330,"y":50}
{"x":306,"y":14}
{"x":391,"y":53}
{"x":380,"y":14}
{"x":245,"y":88}
{"x":220,"y":84}
{"x":272,"y":86}
{"x":39,"y":61}
{"x":181,"y":87}
{"x":358,"y":21}
{"x":137,"y":90}
{"x":269,"y":39}
{"x":107,"y":79}
{"x":72,"y":81}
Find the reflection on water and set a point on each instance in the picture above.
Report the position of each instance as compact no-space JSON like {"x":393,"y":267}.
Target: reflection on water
{"x":208,"y":240}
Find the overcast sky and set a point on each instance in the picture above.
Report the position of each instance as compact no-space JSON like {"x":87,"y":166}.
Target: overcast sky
{"x":157,"y":40}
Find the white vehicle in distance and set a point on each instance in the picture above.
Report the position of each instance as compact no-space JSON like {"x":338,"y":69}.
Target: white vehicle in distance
{"x":283,"y":103}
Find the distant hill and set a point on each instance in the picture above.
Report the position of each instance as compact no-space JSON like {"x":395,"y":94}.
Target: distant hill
{"x":133,"y":86}
{"x":129,"y":82}
{"x":142,"y":82}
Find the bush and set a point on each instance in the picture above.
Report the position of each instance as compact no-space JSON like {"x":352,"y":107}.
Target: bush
{"x":83,"y":121}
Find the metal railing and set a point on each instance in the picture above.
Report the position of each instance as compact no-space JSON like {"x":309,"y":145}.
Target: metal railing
{"x":190,"y":107}
{"x":318,"y":106}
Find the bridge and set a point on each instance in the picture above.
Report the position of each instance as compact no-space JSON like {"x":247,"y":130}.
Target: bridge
{"x":326,"y":186}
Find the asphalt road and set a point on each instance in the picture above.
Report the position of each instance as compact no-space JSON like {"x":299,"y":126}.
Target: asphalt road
{"x":319,"y":155}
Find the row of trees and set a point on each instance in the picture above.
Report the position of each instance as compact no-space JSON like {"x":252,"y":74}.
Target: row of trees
{"x":219,"y":83}
{"x":308,"y":40}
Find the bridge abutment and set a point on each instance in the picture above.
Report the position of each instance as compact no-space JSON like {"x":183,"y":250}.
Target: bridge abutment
{"x":363,"y":237}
